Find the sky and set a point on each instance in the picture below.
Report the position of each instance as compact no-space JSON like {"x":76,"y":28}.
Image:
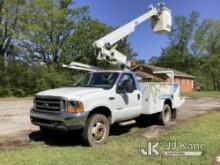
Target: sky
{"x":143,"y":41}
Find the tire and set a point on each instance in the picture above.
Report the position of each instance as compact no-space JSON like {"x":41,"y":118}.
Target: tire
{"x":173,"y":114}
{"x":165,"y":115}
{"x":96,"y":130}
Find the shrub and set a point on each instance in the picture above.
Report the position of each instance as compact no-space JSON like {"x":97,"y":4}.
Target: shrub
{"x":5,"y":91}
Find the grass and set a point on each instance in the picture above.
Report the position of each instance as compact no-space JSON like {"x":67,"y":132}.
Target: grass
{"x":215,"y":94}
{"x":124,"y":149}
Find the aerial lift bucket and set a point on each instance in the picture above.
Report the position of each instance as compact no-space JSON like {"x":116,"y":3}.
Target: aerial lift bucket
{"x":162,"y":23}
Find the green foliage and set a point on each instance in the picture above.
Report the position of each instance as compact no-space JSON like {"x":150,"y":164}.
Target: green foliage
{"x":5,"y":91}
{"x":11,"y":16}
{"x":86,"y":33}
{"x":215,"y":94}
{"x":48,"y":28}
{"x":80,"y":49}
{"x":19,"y":92}
{"x":41,"y":35}
{"x":22,"y":80}
{"x":207,"y":48}
{"x":180,"y":40}
{"x":141,"y":61}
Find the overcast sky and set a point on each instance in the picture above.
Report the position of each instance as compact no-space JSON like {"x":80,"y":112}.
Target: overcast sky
{"x":144,"y":42}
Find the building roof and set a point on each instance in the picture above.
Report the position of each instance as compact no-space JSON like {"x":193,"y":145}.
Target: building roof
{"x":156,"y":68}
{"x":144,"y":75}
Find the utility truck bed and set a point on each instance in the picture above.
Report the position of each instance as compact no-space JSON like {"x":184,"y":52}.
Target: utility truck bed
{"x":154,"y":94}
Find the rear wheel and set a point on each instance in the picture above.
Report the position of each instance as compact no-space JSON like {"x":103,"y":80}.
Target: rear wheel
{"x":165,"y":115}
{"x":96,"y":130}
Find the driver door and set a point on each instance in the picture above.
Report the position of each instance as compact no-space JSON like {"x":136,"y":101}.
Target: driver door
{"x":127,"y":103}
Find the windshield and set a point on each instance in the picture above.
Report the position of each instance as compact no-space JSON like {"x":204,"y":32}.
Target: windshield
{"x":103,"y":80}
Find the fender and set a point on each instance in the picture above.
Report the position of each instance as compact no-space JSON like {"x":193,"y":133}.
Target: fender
{"x":94,"y":102}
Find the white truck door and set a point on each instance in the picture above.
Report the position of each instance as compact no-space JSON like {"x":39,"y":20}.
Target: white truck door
{"x":127,"y":104}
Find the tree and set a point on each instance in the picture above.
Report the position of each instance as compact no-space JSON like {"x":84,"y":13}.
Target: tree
{"x":87,"y":32}
{"x":1,"y":35}
{"x":154,"y":60}
{"x":178,"y":54}
{"x":37,"y":36}
{"x":80,"y":49}
{"x":10,"y":28}
{"x":11,"y":25}
{"x":207,"y":47}
{"x":49,"y":25}
{"x":195,"y":49}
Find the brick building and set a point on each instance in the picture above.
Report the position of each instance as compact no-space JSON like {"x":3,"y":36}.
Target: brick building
{"x":154,"y":73}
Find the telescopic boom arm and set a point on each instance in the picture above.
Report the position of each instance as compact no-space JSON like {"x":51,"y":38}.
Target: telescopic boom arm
{"x":105,"y":46}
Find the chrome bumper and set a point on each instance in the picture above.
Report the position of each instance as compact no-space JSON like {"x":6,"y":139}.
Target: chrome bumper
{"x":61,"y":121}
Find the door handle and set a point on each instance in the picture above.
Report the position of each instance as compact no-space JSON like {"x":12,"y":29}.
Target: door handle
{"x":138,"y":96}
{"x":111,"y":98}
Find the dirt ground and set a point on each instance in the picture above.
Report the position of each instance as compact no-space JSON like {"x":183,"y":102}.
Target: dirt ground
{"x":14,"y":120}
{"x":193,"y":107}
{"x":15,"y":125}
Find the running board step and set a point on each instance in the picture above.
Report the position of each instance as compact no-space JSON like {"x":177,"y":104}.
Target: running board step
{"x":128,"y":122}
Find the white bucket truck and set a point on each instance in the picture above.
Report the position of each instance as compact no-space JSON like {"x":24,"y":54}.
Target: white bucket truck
{"x":102,"y":98}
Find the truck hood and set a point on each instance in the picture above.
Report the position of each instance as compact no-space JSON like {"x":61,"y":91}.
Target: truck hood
{"x":70,"y":92}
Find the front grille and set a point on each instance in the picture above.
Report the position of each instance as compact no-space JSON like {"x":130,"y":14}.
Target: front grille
{"x":51,"y":104}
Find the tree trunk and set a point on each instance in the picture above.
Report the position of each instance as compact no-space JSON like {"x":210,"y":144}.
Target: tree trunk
{"x":1,"y":37}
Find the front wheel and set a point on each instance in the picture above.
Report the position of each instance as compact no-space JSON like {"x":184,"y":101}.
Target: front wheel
{"x":165,"y":115}
{"x":174,"y":114}
{"x":96,"y":130}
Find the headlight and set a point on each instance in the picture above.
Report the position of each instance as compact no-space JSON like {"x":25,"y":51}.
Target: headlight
{"x":75,"y":107}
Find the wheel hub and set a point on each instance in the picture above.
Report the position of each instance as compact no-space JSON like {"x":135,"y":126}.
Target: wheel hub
{"x":98,"y":131}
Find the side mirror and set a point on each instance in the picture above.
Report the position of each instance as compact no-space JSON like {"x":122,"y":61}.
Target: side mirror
{"x":129,"y":87}
{"x":120,"y":89}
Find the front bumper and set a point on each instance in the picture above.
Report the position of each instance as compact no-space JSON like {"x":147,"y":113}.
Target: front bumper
{"x":60,"y":121}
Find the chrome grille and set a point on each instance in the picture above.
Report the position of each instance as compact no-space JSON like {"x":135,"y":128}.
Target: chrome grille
{"x":51,"y":104}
